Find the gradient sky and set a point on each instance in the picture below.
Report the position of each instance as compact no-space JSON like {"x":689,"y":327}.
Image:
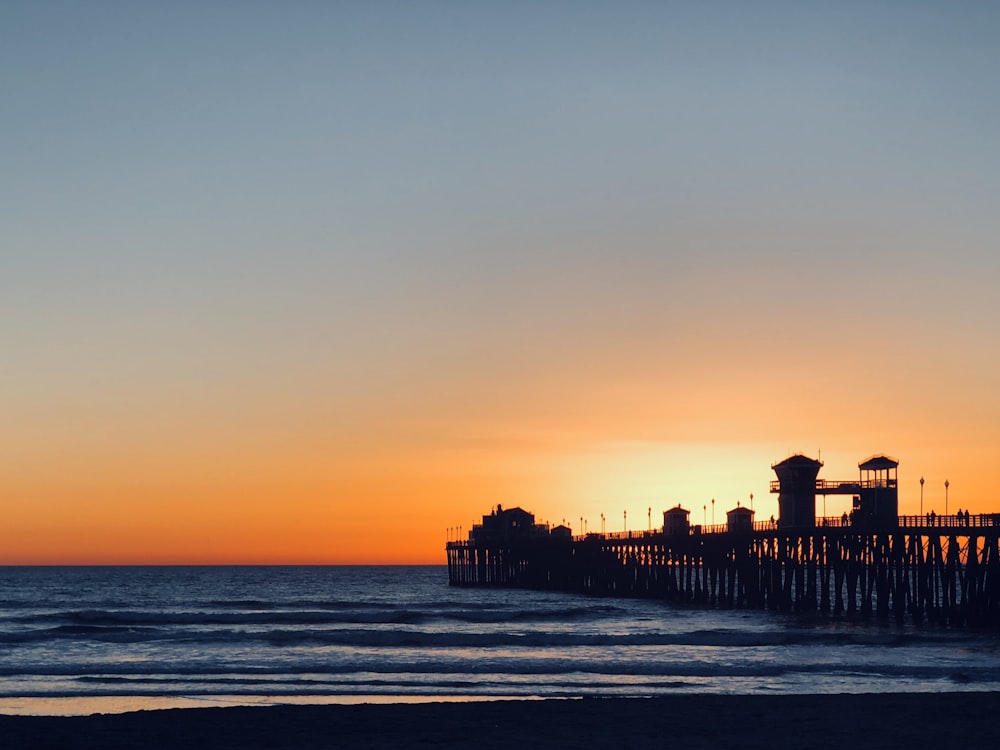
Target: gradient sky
{"x":322,"y":282}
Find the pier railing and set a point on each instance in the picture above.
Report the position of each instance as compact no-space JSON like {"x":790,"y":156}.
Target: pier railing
{"x":927,"y":521}
{"x":963,"y":521}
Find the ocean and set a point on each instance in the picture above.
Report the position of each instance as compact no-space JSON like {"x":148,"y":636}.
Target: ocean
{"x":79,"y":640}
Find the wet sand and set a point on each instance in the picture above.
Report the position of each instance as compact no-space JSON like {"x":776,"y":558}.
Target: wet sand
{"x":690,"y":722}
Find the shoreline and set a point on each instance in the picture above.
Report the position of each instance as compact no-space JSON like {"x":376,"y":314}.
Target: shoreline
{"x":79,"y":706}
{"x":691,"y":721}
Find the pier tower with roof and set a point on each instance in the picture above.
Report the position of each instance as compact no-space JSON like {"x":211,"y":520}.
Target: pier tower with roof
{"x":796,"y":488}
{"x":878,"y":496}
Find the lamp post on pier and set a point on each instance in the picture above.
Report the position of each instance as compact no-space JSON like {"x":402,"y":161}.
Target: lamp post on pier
{"x":946,"y":483}
{"x":625,"y":520}
{"x":921,"y":497}
{"x":649,"y":517}
{"x":713,"y":511}
{"x":751,"y":501}
{"x":704,"y":515}
{"x":602,"y":523}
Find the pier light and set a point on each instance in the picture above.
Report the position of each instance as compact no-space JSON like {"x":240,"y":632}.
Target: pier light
{"x":921,"y":496}
{"x":602,"y":523}
{"x":649,"y":517}
{"x":946,"y":483}
{"x":624,"y":520}
{"x":704,"y":514}
{"x":751,"y":501}
{"x":713,"y":511}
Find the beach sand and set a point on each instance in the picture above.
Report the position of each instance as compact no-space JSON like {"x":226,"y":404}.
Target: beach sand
{"x":690,"y":722}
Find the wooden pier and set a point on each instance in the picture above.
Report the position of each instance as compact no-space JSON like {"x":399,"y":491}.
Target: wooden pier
{"x":938,"y":569}
{"x":948,"y":572}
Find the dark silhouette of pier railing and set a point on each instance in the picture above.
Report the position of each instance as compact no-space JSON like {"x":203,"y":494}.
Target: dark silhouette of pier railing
{"x":929,"y":521}
{"x":942,"y":569}
{"x":979,"y":520}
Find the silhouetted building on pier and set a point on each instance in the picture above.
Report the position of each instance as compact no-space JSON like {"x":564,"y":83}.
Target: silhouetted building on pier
{"x":739,"y":519}
{"x":561,"y":532}
{"x":878,"y":496}
{"x":675,"y":521}
{"x":796,"y":488}
{"x":505,"y":527}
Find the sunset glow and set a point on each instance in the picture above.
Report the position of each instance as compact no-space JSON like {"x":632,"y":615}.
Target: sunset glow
{"x":325,"y":284}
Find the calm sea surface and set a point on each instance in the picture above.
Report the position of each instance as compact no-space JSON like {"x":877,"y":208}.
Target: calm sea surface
{"x":79,"y":640}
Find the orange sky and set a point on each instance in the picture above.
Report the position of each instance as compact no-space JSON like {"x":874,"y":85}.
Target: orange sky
{"x":385,"y":483}
{"x":324,"y":287}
